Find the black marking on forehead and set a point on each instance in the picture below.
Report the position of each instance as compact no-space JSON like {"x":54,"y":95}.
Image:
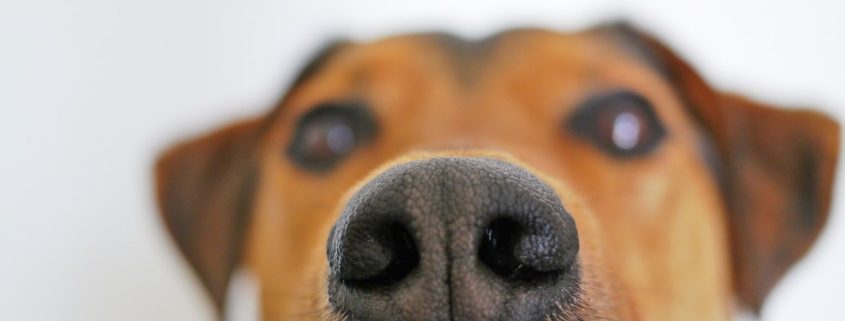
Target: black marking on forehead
{"x":314,"y":65}
{"x":458,"y":46}
{"x":630,"y":39}
{"x":319,"y":58}
{"x":467,"y":56}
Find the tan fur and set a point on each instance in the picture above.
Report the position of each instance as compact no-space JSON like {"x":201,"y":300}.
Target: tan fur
{"x":654,"y":242}
{"x":666,"y":249}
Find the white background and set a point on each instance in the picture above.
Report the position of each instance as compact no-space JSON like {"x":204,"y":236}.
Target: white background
{"x":91,"y":90}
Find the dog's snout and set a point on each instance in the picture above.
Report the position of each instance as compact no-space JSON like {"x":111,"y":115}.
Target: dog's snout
{"x":454,"y":239}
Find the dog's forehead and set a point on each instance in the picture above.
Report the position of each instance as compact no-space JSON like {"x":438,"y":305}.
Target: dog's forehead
{"x":430,"y":73}
{"x":467,"y":58}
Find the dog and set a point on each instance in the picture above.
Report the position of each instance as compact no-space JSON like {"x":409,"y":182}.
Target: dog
{"x":531,"y":175}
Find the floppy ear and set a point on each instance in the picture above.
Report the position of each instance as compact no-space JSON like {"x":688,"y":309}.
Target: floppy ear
{"x":204,"y":189}
{"x":775,"y":166}
{"x":780,"y":169}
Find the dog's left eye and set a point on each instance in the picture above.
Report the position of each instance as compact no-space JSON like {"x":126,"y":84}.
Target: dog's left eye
{"x":621,"y":123}
{"x":330,"y":132}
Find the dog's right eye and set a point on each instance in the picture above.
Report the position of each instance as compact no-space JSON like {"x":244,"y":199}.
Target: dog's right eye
{"x":622,"y":123}
{"x":330,"y":132}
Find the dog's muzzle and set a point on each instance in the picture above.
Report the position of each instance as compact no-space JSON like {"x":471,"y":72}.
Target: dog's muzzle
{"x":458,"y":238}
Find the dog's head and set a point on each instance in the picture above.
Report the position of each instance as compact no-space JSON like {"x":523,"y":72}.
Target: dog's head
{"x":529,"y":176}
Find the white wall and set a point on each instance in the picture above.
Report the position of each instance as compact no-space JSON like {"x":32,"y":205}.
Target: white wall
{"x":90,"y":90}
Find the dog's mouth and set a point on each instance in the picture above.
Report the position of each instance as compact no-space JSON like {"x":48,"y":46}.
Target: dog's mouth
{"x":455,"y":238}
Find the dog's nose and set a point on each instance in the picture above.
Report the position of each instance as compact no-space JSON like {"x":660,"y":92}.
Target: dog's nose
{"x":454,"y":239}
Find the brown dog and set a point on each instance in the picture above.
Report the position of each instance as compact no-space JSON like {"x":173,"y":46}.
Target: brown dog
{"x":424,"y":177}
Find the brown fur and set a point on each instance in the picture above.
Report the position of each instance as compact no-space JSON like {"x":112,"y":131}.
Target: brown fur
{"x":736,"y":193}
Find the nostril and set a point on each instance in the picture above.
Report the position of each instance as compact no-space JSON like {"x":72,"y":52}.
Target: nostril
{"x":497,"y":245}
{"x":497,"y":251}
{"x":513,"y":253}
{"x":379,"y":257}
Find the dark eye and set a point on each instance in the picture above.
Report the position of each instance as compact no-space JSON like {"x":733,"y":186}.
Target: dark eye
{"x":330,"y":132}
{"x":621,"y":123}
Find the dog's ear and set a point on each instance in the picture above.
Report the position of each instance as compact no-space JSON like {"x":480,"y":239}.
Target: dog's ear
{"x":779,"y":167}
{"x":775,"y":166}
{"x":204,"y":189}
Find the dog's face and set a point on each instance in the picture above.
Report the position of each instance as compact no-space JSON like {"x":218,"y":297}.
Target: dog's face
{"x":530,"y":176}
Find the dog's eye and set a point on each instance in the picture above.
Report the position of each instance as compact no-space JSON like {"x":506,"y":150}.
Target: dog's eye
{"x":329,"y":132}
{"x":621,"y":123}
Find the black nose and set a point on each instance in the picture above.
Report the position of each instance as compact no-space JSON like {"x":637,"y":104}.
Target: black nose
{"x":454,"y":239}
